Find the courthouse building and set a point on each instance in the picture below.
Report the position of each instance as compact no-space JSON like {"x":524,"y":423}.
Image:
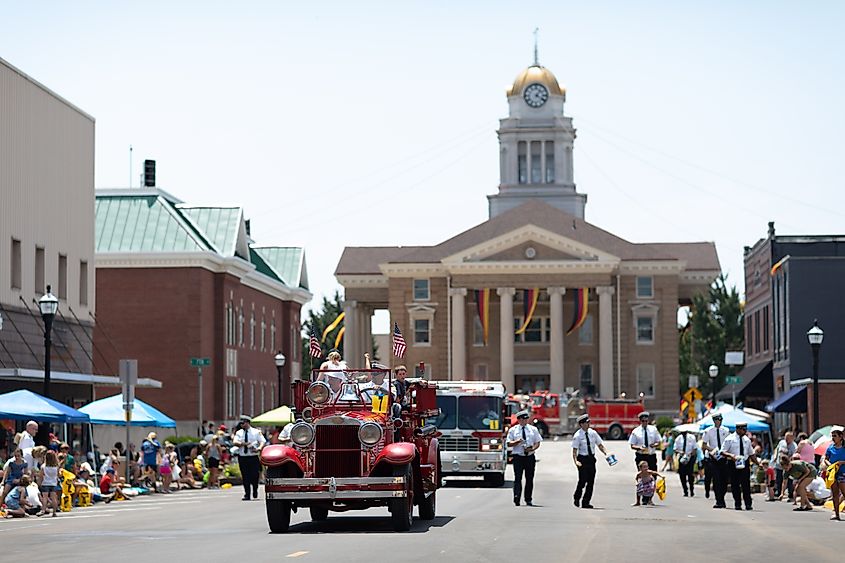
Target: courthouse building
{"x":605,"y":320}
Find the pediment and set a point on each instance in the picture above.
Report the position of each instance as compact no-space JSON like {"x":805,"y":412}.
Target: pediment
{"x":547,"y":245}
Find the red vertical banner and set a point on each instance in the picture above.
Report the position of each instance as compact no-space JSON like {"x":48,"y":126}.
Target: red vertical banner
{"x":529,"y":305}
{"x":482,"y":302}
{"x":582,"y":296}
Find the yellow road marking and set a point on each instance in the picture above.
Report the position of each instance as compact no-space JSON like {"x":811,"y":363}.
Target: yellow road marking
{"x":296,"y":554}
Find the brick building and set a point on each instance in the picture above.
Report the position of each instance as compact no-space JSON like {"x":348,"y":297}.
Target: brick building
{"x":176,"y":282}
{"x":536,"y":238}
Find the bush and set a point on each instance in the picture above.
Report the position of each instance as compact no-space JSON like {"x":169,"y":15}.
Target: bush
{"x":175,"y":440}
{"x":664,"y":423}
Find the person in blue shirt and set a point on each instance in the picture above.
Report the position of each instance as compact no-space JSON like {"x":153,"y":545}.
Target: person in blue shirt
{"x":151,"y":449}
{"x":836,"y":454}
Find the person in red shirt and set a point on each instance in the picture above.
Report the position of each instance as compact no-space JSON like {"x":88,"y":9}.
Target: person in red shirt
{"x":108,"y":486}
{"x":770,"y":480}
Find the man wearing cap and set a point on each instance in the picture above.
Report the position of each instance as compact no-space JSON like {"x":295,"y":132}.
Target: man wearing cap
{"x":685,"y":449}
{"x":715,"y":468}
{"x":739,"y":452}
{"x":249,"y":442}
{"x":584,"y":444}
{"x":643,"y":440}
{"x":524,"y":438}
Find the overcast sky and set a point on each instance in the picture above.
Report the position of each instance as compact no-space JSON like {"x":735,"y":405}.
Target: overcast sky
{"x":355,"y":123}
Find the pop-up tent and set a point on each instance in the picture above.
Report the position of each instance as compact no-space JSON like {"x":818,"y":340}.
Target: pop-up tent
{"x":731,"y":417}
{"x":276,"y":417}
{"x":26,"y":405}
{"x":110,"y":411}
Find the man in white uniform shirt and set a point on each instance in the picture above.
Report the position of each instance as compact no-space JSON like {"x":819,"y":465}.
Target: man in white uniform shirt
{"x":712,"y":442}
{"x":524,"y":438}
{"x":686,"y":450}
{"x":643,"y":440}
{"x":584,"y":444}
{"x":740,"y":454}
{"x":249,"y":442}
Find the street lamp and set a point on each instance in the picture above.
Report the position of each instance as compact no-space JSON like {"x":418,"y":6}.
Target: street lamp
{"x":283,"y":390}
{"x":49,"y":305}
{"x":713,"y":372}
{"x":815,"y":335}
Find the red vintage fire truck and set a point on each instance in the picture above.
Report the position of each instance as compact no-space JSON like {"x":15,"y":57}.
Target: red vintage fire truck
{"x":556,"y":414}
{"x":356,"y":445}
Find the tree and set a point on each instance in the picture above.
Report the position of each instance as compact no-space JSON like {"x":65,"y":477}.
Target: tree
{"x":319,"y":319}
{"x":715,"y":325}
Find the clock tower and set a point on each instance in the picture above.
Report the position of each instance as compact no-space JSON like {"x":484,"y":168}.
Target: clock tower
{"x":535,"y":146}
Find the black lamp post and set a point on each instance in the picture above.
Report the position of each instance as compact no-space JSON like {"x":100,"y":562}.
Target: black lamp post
{"x":284,"y":390}
{"x":815,"y":335}
{"x":713,"y":372}
{"x":48,"y":305}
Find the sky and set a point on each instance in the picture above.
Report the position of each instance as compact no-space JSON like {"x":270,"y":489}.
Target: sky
{"x":374,"y":123}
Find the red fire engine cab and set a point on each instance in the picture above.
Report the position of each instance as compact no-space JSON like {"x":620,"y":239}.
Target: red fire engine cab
{"x":614,"y":419}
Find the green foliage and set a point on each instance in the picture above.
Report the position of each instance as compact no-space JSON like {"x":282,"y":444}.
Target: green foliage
{"x":664,"y":423}
{"x":180,"y":439}
{"x":715,"y":325}
{"x":319,"y":319}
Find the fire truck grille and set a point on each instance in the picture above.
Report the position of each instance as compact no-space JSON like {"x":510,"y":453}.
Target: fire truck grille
{"x":458,"y":444}
{"x":338,"y":452}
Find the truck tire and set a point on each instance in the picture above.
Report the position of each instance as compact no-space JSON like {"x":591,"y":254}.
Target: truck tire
{"x":318,"y":513}
{"x":428,"y":507}
{"x":494,"y":480}
{"x":543,"y":428}
{"x":615,"y":432}
{"x":278,"y":515}
{"x":402,"y":508}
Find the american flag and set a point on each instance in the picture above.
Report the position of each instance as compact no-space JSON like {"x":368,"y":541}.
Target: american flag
{"x":314,"y":345}
{"x":398,"y":342}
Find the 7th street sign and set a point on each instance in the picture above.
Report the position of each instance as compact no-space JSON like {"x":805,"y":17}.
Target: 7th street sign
{"x":735,"y":379}
{"x":200,"y":362}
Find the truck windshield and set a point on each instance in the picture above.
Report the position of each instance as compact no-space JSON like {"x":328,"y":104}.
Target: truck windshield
{"x":448,"y":416}
{"x":480,"y":413}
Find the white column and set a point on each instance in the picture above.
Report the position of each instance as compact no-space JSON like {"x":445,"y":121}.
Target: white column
{"x":350,"y":335}
{"x":506,"y":335}
{"x":605,"y":341}
{"x":459,"y":345}
{"x":556,"y":366}
{"x":367,"y":332}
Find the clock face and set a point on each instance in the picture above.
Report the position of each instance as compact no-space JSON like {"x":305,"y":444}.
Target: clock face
{"x":535,"y":95}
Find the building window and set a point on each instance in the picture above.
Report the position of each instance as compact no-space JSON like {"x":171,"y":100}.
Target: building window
{"x":645,"y":330}
{"x":252,"y":330}
{"x":749,"y":337}
{"x":62,"y":277}
{"x":645,"y":287}
{"x":766,"y":328}
{"x":480,"y":372}
{"x":40,"y":264}
{"x":550,"y":162}
{"x":586,"y":380}
{"x":522,"y":161}
{"x":538,"y":330}
{"x":263,"y":334}
{"x":757,"y":332}
{"x":536,"y":163}
{"x":422,"y":331}
{"x":83,"y":282}
{"x":263,"y":405}
{"x":231,"y":396}
{"x":421,"y":290}
{"x":241,"y":325}
{"x":273,"y":335}
{"x":274,"y":400}
{"x":477,"y":331}
{"x":645,"y":380}
{"x":585,"y":333}
{"x":16,"y":264}
{"x":240,"y":398}
{"x":251,"y":398}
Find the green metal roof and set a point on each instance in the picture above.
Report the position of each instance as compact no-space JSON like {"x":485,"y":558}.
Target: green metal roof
{"x":287,"y":262}
{"x":219,"y":224}
{"x":262,"y":266}
{"x":142,"y":224}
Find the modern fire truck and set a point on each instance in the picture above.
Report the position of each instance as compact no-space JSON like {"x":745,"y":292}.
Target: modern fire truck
{"x":473,"y":423}
{"x":558,"y":414}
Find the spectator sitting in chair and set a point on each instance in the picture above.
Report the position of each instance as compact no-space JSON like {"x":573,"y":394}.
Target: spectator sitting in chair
{"x":188,"y":478}
{"x":110,"y":486}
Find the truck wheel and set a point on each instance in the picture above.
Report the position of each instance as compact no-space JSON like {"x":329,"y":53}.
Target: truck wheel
{"x":544,"y":430}
{"x":319,"y":513}
{"x":402,"y":508}
{"x":615,"y":432}
{"x":428,"y":507}
{"x":278,"y":515}
{"x":494,"y":480}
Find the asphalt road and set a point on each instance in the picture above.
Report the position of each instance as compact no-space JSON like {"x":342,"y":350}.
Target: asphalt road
{"x":473,"y":524}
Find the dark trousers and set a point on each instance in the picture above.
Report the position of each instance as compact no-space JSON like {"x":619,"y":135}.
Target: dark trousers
{"x":586,"y":478}
{"x":685,"y":472}
{"x":741,"y":485}
{"x":651,"y":459}
{"x":779,"y":479}
{"x":249,"y":473}
{"x":709,"y":475}
{"x":523,"y":464}
{"x":719,"y":469}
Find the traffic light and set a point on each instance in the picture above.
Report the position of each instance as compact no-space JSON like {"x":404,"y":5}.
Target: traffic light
{"x":149,"y":173}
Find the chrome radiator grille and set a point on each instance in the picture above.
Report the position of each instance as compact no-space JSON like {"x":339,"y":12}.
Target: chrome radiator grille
{"x":458,"y":444}
{"x":338,"y":451}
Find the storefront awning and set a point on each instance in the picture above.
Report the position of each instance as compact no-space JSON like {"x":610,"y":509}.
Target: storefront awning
{"x":756,"y":382}
{"x":794,"y":400}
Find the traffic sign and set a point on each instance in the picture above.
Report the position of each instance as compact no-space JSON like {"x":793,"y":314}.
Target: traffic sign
{"x":735,"y":379}
{"x":200,"y":362}
{"x":693,"y":394}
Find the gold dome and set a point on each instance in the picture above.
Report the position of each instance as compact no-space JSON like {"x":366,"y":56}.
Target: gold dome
{"x":538,"y":74}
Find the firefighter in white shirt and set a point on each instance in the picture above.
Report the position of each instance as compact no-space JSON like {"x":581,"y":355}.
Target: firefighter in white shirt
{"x":643,"y":440}
{"x":524,"y":438}
{"x":716,"y":468}
{"x":739,"y":452}
{"x":686,"y":449}
{"x":584,"y":444}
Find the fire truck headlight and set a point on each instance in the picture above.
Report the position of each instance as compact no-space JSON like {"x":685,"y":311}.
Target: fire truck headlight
{"x":302,"y":434}
{"x":318,"y":393}
{"x":488,"y":444}
{"x":370,"y":433}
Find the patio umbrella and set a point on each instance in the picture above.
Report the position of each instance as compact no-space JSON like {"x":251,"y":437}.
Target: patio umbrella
{"x":823,"y":431}
{"x":110,"y":411}
{"x":820,"y":446}
{"x":276,"y":417}
{"x":26,"y":405}
{"x":690,"y":427}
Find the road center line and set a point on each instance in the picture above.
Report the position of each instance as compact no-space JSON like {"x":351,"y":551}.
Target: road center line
{"x":296,"y":554}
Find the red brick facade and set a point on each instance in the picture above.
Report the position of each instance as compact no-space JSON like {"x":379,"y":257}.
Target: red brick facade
{"x":831,"y":401}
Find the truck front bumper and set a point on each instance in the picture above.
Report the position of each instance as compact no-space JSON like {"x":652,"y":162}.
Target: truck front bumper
{"x":468,"y":463}
{"x":335,"y":488}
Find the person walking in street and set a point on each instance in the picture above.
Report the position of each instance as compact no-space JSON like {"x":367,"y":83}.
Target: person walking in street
{"x":213,"y":455}
{"x":643,"y":440}
{"x":685,"y":449}
{"x":835,"y":456}
{"x":524,"y":438}
{"x":584,"y":444}
{"x":715,"y":469}
{"x":668,"y":450}
{"x":739,"y":452}
{"x":802,"y":473}
{"x":786,"y":447}
{"x":249,"y":442}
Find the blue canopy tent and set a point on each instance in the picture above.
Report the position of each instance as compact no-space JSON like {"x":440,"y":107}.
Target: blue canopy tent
{"x":730,"y":419}
{"x":26,"y":405}
{"x":110,"y":411}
